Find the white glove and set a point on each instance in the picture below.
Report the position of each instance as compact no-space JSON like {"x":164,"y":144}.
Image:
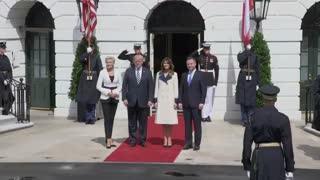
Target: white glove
{"x":289,"y":175}
{"x":248,"y":174}
{"x":5,"y":82}
{"x":199,"y":49}
{"x":257,"y":87}
{"x":89,"y":50}
{"x":248,"y":46}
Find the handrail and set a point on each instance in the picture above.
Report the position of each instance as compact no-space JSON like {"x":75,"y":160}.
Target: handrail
{"x":21,"y":106}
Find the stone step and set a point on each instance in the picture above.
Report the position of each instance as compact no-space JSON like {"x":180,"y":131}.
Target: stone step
{"x":14,"y":126}
{"x":7,"y":119}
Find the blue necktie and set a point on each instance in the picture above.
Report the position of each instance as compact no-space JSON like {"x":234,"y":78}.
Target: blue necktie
{"x":189,"y":78}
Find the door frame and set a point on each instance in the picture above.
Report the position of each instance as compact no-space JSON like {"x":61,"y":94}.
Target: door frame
{"x":51,"y":64}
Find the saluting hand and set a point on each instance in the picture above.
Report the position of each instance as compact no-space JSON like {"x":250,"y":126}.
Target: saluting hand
{"x":156,"y":105}
{"x":180,"y":105}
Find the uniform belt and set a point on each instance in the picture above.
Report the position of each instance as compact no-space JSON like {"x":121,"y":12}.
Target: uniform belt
{"x":246,"y":70}
{"x":272,"y":144}
{"x":203,"y":70}
{"x":87,"y":72}
{"x":4,"y":72}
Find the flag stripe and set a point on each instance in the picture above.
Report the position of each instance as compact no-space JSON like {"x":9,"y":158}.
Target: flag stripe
{"x":89,"y":17}
{"x":247,"y":7}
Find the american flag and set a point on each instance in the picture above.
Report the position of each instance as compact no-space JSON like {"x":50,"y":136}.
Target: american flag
{"x":89,"y":17}
{"x":246,"y":9}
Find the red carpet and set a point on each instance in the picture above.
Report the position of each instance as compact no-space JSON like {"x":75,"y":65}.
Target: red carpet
{"x":154,"y":152}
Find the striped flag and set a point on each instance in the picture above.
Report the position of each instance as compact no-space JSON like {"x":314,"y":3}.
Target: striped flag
{"x":246,"y":9}
{"x":89,"y":17}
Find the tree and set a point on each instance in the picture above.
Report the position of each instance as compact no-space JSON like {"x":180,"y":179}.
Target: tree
{"x":77,"y":66}
{"x":262,"y":51}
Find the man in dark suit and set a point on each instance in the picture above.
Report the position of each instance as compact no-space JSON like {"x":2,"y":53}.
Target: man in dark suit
{"x":137,"y":95}
{"x":192,"y":97}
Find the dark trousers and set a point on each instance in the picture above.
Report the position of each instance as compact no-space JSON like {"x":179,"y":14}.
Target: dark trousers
{"x":246,"y":112}
{"x":137,"y":115}
{"x":109,"y":111}
{"x":91,"y":112}
{"x":192,"y":114}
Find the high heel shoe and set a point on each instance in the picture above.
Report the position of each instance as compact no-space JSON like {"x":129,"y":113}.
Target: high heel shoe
{"x":108,"y":144}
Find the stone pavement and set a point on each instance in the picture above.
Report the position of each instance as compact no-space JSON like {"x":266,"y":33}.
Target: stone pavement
{"x":60,"y":140}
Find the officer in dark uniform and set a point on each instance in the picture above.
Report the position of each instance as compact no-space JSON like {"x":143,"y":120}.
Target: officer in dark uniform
{"x":270,"y":130}
{"x":6,"y":96}
{"x":137,"y":50}
{"x":248,"y":81}
{"x":208,"y":64}
{"x":87,"y":94}
{"x":316,"y":95}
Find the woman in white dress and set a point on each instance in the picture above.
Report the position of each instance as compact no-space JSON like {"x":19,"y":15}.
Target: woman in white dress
{"x":166,"y":97}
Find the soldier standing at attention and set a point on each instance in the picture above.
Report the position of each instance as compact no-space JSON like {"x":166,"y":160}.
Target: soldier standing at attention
{"x":248,"y":80}
{"x":269,"y":129}
{"x":137,"y":50}
{"x":87,"y":93}
{"x":208,"y":64}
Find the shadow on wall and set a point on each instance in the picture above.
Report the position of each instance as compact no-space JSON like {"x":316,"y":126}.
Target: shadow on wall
{"x":231,"y":79}
{"x":17,"y":17}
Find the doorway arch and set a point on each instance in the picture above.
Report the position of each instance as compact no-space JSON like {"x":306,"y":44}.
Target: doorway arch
{"x":175,"y":29}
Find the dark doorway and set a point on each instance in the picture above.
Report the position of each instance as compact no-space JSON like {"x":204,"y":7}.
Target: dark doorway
{"x":176,"y":29}
{"x":310,"y":55}
{"x":176,"y":46}
{"x":40,"y":61}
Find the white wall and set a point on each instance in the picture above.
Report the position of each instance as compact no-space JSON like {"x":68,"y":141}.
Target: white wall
{"x":122,"y":23}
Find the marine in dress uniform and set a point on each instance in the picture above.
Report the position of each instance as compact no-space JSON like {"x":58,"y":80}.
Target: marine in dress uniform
{"x":248,"y":80}
{"x":137,"y":50}
{"x":6,"y":96}
{"x":269,"y":129}
{"x":87,"y":94}
{"x":208,"y":64}
{"x":316,"y":95}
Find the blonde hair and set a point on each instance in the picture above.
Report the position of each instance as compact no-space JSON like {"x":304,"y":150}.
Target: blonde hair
{"x":110,"y":57}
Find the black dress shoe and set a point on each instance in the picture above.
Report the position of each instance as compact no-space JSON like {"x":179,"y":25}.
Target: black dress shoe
{"x":203,"y":119}
{"x":143,"y":144}
{"x":208,"y":119}
{"x":196,"y":148}
{"x":132,"y":144}
{"x":186,"y":147}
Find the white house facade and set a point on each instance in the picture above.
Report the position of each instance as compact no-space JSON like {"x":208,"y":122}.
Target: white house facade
{"x":42,"y":37}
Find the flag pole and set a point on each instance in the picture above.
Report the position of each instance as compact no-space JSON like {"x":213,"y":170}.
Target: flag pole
{"x":89,"y":43}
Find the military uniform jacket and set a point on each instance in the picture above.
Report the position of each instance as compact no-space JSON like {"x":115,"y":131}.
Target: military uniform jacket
{"x":6,"y":96}
{"x":125,"y":56}
{"x":5,"y":68}
{"x":87,"y":91}
{"x":208,"y":62}
{"x":268,"y":125}
{"x":246,"y":90}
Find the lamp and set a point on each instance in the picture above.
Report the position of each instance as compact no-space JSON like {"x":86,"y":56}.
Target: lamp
{"x":260,"y":11}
